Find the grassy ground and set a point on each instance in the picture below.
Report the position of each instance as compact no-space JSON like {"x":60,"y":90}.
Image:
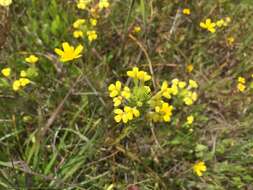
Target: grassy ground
{"x":59,"y":132}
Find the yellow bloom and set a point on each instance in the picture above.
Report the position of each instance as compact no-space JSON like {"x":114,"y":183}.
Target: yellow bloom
{"x":186,"y":11}
{"x":190,"y":120}
{"x":115,"y":89}
{"x":131,"y":112}
{"x":93,"y":22}
{"x":24,"y":81}
{"x":117,"y":101}
{"x":126,"y":92}
{"x":190,"y":98}
{"x":92,"y":35}
{"x":23,"y":73}
{"x":78,"y":23}
{"x":133,"y":74}
{"x":143,"y":76}
{"x":181,"y":84}
{"x":6,"y":72}
{"x":103,"y":4}
{"x":82,"y":4}
{"x":165,"y":110}
{"x":5,"y":3}
{"x":241,"y":80}
{"x":16,"y":85}
{"x":209,"y":25}
{"x":78,"y":34}
{"x":220,"y":23}
{"x":166,"y":92}
{"x":199,"y":168}
{"x":137,"y":29}
{"x":230,"y":40}
{"x":241,"y":87}
{"x":69,"y":52}
{"x":189,"y":68}
{"x":175,"y":81}
{"x":31,"y":59}
{"x":193,"y":84}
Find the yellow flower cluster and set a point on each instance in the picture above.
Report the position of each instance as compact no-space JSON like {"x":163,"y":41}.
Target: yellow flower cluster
{"x":82,"y":27}
{"x":211,"y":26}
{"x":23,"y":81}
{"x":157,"y":108}
{"x":241,"y":81}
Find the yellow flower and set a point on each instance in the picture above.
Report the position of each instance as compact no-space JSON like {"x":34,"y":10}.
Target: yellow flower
{"x":181,"y":84}
{"x":24,"y":81}
{"x":126,"y":92}
{"x":137,"y":29}
{"x":165,"y":110}
{"x":31,"y":59}
{"x":227,"y":21}
{"x":93,"y":22}
{"x":189,"y":68}
{"x":193,"y":84}
{"x":78,"y":23}
{"x":241,"y":87}
{"x":190,"y":98}
{"x":115,"y":89}
{"x":131,"y":112}
{"x":69,"y":52}
{"x":175,"y":81}
{"x":133,"y":74}
{"x":230,"y":40}
{"x":174,"y":89}
{"x":82,"y":4}
{"x":143,"y":76}
{"x":23,"y":73}
{"x":209,"y":25}
{"x":220,"y":23}
{"x":199,"y":168}
{"x":103,"y":4}
{"x":139,"y":75}
{"x":117,"y":101}
{"x":78,"y":34}
{"x":92,"y":35}
{"x":241,"y":80}
{"x":5,"y":3}
{"x":186,"y":11}
{"x":16,"y":85}
{"x":166,"y":92}
{"x":190,"y":120}
{"x":6,"y":72}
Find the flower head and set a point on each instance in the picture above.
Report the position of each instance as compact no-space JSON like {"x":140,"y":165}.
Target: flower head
{"x":69,"y":52}
{"x":137,"y":29}
{"x":92,"y":35}
{"x":186,"y":11}
{"x":6,"y":72}
{"x":78,"y":23}
{"x":31,"y":59}
{"x":190,"y":119}
{"x":103,"y":4}
{"x":208,"y":25}
{"x":16,"y":85}
{"x":115,"y":89}
{"x":199,"y":168}
{"x":78,"y":34}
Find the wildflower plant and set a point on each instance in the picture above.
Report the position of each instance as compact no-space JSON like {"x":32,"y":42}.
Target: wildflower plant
{"x":138,"y":101}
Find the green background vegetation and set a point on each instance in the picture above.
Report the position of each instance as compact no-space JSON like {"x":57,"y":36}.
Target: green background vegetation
{"x":60,"y":133}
